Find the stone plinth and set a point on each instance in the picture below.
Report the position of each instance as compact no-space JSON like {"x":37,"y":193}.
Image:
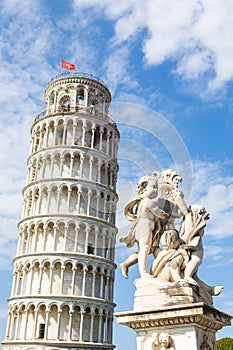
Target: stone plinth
{"x":154,"y":293}
{"x":189,"y":326}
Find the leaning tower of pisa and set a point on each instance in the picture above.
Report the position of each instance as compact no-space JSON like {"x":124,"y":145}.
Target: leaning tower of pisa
{"x":62,"y":289}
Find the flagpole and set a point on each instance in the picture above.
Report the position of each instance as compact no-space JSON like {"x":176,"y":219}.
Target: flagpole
{"x":60,"y":65}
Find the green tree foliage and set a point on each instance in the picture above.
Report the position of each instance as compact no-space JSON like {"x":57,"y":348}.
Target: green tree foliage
{"x":225,"y":344}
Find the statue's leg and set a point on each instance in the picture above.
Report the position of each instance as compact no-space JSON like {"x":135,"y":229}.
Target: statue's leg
{"x":191,"y":268}
{"x":175,"y":268}
{"x":131,"y":260}
{"x":144,"y":249}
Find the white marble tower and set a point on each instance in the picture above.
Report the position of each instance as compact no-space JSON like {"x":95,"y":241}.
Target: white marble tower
{"x":62,"y":289}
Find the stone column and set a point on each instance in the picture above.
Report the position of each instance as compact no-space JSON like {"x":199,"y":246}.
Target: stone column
{"x":74,"y":269}
{"x":46,"y":136}
{"x":7,"y":336}
{"x":81,"y":164}
{"x":70,"y":325}
{"x":90,"y":169}
{"x":96,"y":241}
{"x":92,"y":327}
{"x":62,"y":279}
{"x":78,"y":201}
{"x":101,"y":139}
{"x":93,"y":281}
{"x":71,"y":164}
{"x":84,"y":279}
{"x":89,"y":202}
{"x":76,"y":237}
{"x":81,"y":326}
{"x":64,"y":133}
{"x":13,"y":287}
{"x":55,"y":133}
{"x":51,"y":165}
{"x":93,"y":135}
{"x":51,"y":279}
{"x":40,"y":278}
{"x":65,"y":236}
{"x":83,"y":135}
{"x":101,"y":283}
{"x":58,"y":323}
{"x":100,"y":326}
{"x":61,"y":165}
{"x":46,"y":324}
{"x":35,"y":323}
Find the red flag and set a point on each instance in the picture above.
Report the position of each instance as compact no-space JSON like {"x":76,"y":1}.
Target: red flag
{"x":68,"y":65}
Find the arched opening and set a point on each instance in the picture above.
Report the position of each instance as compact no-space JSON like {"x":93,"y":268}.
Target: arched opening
{"x":47,"y":170}
{"x":22,"y":322}
{"x":27,"y":279}
{"x":66,"y":165}
{"x":67,"y":279}
{"x":75,"y":333}
{"x":69,"y":132}
{"x":65,"y":104}
{"x":89,"y":280}
{"x":87,"y":325}
{"x":30,"y":323}
{"x":97,"y":282}
{"x":78,"y":133}
{"x":52,"y":322}
{"x":53,"y":200}
{"x":49,"y":240}
{"x":96,"y":326}
{"x":78,"y":283}
{"x":56,"y":278}
{"x":41,"y":322}
{"x":73,"y":200}
{"x":60,"y":132}
{"x":63,"y":200}
{"x":70,"y":239}
{"x":45,"y":280}
{"x":80,"y":95}
{"x":60,"y":237}
{"x":64,"y":323}
{"x":35,"y":278}
{"x":51,"y":134}
{"x":76,"y":166}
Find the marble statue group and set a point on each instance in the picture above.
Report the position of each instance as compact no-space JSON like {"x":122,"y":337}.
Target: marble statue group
{"x":178,"y":252}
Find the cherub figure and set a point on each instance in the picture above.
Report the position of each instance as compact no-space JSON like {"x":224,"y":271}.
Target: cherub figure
{"x":171,"y":260}
{"x":146,"y":214}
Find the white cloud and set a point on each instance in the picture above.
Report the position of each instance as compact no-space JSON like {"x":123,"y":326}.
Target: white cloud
{"x":196,"y":35}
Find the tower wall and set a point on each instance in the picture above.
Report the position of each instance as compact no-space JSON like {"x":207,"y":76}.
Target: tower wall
{"x":62,"y":289}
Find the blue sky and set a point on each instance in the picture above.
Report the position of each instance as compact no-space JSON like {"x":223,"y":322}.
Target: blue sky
{"x":169,"y":68}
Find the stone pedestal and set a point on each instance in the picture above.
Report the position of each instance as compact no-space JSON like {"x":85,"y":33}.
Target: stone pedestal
{"x":173,"y":318}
